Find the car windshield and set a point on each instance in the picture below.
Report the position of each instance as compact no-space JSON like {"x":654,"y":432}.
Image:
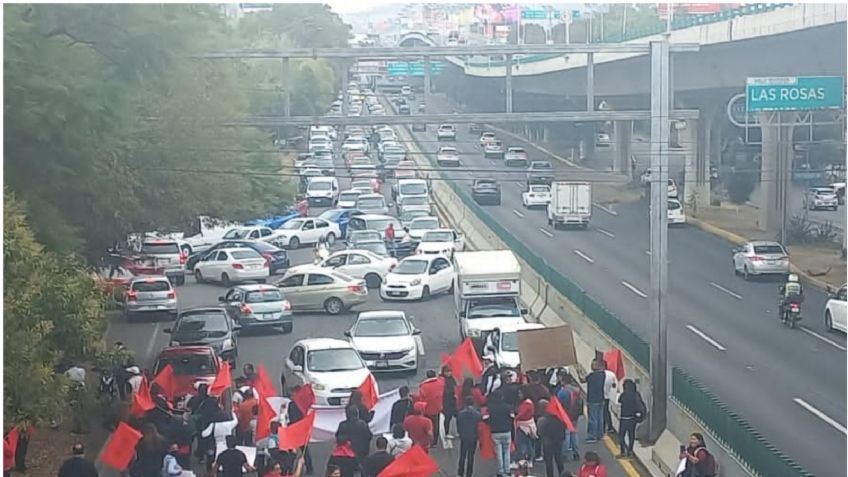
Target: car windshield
{"x":486,"y":183}
{"x":673,"y":205}
{"x":448,"y":152}
{"x":413,"y":189}
{"x":541,"y":165}
{"x":210,"y":325}
{"x":363,"y":235}
{"x":235,"y":234}
{"x":408,"y":215}
{"x":380,"y":224}
{"x":377,"y":327}
{"x":333,"y":360}
{"x":425,"y":224}
{"x":319,"y":185}
{"x":768,"y":249}
{"x":370,"y":202}
{"x":540,"y":189}
{"x":292,"y":225}
{"x":824,"y":191}
{"x":509,"y":341}
{"x":164,"y":248}
{"x":188,"y":365}
{"x":415,"y":200}
{"x":437,"y":237}
{"x":332,"y":214}
{"x":244,"y":254}
{"x":487,"y":308}
{"x":411,"y":267}
{"x":515,"y":150}
{"x":263,"y":296}
{"x":378,"y":248}
{"x":151,"y":286}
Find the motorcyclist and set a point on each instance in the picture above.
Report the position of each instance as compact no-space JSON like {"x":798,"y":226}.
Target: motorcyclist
{"x":790,"y":292}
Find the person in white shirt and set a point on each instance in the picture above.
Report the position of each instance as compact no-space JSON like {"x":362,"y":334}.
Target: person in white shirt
{"x":219,"y":431}
{"x":170,"y":466}
{"x":399,"y":441}
{"x":609,"y":385}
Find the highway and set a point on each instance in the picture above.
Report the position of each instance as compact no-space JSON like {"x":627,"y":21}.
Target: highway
{"x":434,"y":317}
{"x":789,"y":384}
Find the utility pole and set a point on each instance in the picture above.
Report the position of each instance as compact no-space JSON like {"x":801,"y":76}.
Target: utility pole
{"x":660,"y":129}
{"x":427,"y":78}
{"x":508,"y":83}
{"x":287,"y":81}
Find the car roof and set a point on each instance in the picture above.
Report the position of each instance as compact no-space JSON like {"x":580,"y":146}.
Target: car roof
{"x":377,"y":314}
{"x":439,"y":230}
{"x":428,"y":217}
{"x":203,"y":309}
{"x":232,"y":249}
{"x":160,"y":241}
{"x":508,"y":328}
{"x":411,"y":181}
{"x":317,"y":344}
{"x":375,"y":217}
{"x":371,"y":196}
{"x":323,"y":179}
{"x":256,"y":287}
{"x":764,"y":242}
{"x":196,"y":350}
{"x":516,"y":149}
{"x":149,"y":278}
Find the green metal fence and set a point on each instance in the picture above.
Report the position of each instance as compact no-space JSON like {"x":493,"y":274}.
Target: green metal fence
{"x":731,"y":430}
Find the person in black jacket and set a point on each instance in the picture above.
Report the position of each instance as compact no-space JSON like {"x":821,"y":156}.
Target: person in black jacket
{"x":342,"y":458}
{"x":356,"y":401}
{"x":357,"y":431}
{"x":552,"y":434}
{"x":401,"y":408}
{"x":466,"y":426}
{"x":379,"y":460}
{"x":632,"y":409}
{"x":448,"y":398}
{"x":77,"y":465}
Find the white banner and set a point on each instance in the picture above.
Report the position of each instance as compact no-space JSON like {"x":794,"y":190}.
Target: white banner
{"x":327,"y":418}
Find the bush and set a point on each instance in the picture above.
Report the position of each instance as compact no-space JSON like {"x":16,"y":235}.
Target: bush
{"x":740,"y":185}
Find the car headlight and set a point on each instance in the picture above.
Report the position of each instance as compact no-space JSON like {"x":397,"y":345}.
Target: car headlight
{"x":415,"y":282}
{"x":319,"y":387}
{"x":410,"y":351}
{"x":228,"y":344}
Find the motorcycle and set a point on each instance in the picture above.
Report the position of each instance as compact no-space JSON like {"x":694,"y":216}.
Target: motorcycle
{"x":791,"y":314}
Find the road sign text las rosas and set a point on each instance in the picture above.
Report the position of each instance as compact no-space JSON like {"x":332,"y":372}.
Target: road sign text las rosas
{"x":795,"y":93}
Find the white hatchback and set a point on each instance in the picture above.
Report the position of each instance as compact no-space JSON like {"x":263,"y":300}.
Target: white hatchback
{"x":232,"y":265}
{"x":331,"y":366}
{"x":835,"y":313}
{"x":537,"y":195}
{"x":675,"y":212}
{"x":418,"y":277}
{"x":441,"y":242}
{"x":385,"y":340}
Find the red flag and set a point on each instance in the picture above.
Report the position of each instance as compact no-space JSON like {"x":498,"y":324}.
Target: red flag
{"x":615,"y":362}
{"x":10,"y":447}
{"x":369,"y":392}
{"x":304,"y":398}
{"x":413,"y":463}
{"x":446,"y":359}
{"x":263,"y":419}
{"x":263,"y":383}
{"x":223,"y":380}
{"x":120,"y":449}
{"x":555,"y":408}
{"x":298,"y":434}
{"x":487,"y":446}
{"x":465,"y":357}
{"x":142,"y":401}
{"x":166,"y":381}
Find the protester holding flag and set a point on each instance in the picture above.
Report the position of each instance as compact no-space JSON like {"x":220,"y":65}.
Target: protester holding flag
{"x":632,"y":412}
{"x":343,"y":458}
{"x":244,"y":413}
{"x":570,"y":397}
{"x":419,"y":426}
{"x":430,"y":392}
{"x":400,"y":441}
{"x":149,"y":452}
{"x":552,"y":434}
{"x":401,"y":408}
{"x":449,"y":406}
{"x":356,"y":401}
{"x":357,"y":432}
{"x":467,"y":422}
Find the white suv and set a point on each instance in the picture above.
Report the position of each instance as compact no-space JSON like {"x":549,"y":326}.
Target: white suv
{"x":835,"y":311}
{"x":446,"y":132}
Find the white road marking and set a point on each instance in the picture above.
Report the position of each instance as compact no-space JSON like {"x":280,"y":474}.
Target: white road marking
{"x":149,"y":350}
{"x":420,"y":343}
{"x":519,"y":185}
{"x":605,"y":209}
{"x":493,"y":162}
{"x":824,"y":417}
{"x":546,"y":232}
{"x":606,"y":232}
{"x":823,"y":338}
{"x":634,"y":289}
{"x":583,"y":256}
{"x":706,"y":338}
{"x":725,"y":290}
{"x":517,"y":213}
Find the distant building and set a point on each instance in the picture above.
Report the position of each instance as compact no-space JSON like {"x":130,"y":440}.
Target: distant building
{"x":238,"y":10}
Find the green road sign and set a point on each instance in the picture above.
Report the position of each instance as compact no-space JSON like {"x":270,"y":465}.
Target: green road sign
{"x":538,"y":14}
{"x":403,"y":68}
{"x":795,"y":93}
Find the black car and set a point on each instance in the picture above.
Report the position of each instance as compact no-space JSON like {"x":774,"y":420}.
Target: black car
{"x":540,"y":172}
{"x":404,"y":109}
{"x":476,"y":128}
{"x":486,"y":192}
{"x":210,"y":326}
{"x":278,"y":259}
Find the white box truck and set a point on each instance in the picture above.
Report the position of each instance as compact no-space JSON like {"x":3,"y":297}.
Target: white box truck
{"x":488,"y":286}
{"x":571,"y":204}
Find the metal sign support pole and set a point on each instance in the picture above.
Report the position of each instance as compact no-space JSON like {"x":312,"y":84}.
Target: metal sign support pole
{"x":509,"y":83}
{"x":427,"y":79}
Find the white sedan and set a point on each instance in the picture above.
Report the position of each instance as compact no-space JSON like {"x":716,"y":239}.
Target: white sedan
{"x":417,"y":277}
{"x":385,"y":340}
{"x":448,"y":157}
{"x":441,"y":241}
{"x":347,"y":199}
{"x":835,"y":316}
{"x":358,"y":264}
{"x":232,"y":265}
{"x":421,"y":225}
{"x":538,"y":195}
{"x":331,"y":366}
{"x":306,"y":230}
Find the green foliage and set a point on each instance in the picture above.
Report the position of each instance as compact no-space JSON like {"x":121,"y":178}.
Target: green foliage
{"x":799,"y":230}
{"x":51,"y":311}
{"x":740,"y":185}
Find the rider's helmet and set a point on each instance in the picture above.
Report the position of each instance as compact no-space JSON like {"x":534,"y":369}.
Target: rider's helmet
{"x":792,"y":277}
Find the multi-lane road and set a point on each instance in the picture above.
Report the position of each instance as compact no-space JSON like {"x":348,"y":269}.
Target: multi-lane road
{"x":789,"y":384}
{"x":434,"y":317}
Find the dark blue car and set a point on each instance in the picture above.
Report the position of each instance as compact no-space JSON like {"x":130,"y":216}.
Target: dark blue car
{"x":341,"y":217}
{"x":278,"y":259}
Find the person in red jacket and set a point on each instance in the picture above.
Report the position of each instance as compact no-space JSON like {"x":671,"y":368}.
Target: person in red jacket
{"x":592,"y":466}
{"x":418,"y":427}
{"x":431,"y":392}
{"x":525,"y":427}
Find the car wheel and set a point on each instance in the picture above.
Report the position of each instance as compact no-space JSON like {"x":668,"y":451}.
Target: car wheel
{"x":333,"y":306}
{"x":331,"y":238}
{"x":181,"y":280}
{"x":828,"y":321}
{"x":288,"y":328}
{"x":372,"y":280}
{"x":745,"y":274}
{"x":294,"y":243}
{"x":425,"y":293}
{"x":225,"y":280}
{"x":198,"y":277}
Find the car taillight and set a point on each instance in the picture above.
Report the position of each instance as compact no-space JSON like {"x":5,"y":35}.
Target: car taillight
{"x":246,"y":309}
{"x":757,"y":258}
{"x":238,"y":266}
{"x":183,"y":257}
{"x":132,"y":295}
{"x":794,"y":307}
{"x":172,"y":295}
{"x":286,"y":305}
{"x":355,"y":288}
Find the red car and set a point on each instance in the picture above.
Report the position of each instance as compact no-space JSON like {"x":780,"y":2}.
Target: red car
{"x":192,"y":365}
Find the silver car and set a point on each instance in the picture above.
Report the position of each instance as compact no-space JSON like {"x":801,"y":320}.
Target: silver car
{"x":167,"y":255}
{"x":150,"y":295}
{"x":385,"y":340}
{"x":316,"y":288}
{"x":760,"y":258}
{"x":372,"y":204}
{"x":821,"y":198}
{"x":258,"y":306}
{"x":414,"y":202}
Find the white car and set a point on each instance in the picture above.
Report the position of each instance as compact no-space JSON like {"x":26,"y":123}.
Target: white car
{"x":441,"y":241}
{"x":323,"y":191}
{"x":835,"y":311}
{"x":675,"y":212}
{"x":414,"y":202}
{"x":306,"y":230}
{"x":347,"y":199}
{"x":332,"y":367}
{"x":486,"y":138}
{"x":420,"y":225}
{"x":372,"y":204}
{"x":355,"y":144}
{"x":385,"y":340}
{"x":248,"y":233}
{"x":537,"y":195}
{"x":320,"y":142}
{"x":232,"y":265}
{"x":820,"y":198}
{"x":327,"y":131}
{"x":672,"y":189}
{"x":356,"y":263}
{"x":448,"y":156}
{"x":502,"y":344}
{"x":418,"y":277}
{"x":446,"y":132}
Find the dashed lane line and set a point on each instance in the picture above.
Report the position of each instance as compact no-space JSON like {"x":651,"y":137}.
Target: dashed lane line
{"x":725,"y":290}
{"x":584,"y":256}
{"x":606,"y":232}
{"x":819,"y":414}
{"x":517,"y":213}
{"x":605,"y":209}
{"x":634,"y":289}
{"x":823,"y":338}
{"x":546,"y":232}
{"x":706,"y":338}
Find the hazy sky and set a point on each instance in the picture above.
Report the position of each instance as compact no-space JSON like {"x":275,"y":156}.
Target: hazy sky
{"x":342,"y":6}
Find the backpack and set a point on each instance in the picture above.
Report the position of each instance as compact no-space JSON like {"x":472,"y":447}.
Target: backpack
{"x":575,"y":403}
{"x":709,"y":468}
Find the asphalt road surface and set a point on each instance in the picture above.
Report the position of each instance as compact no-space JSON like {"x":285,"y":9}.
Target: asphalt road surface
{"x":789,"y":384}
{"x":435,"y":317}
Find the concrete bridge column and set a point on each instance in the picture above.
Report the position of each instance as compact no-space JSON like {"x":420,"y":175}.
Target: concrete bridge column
{"x":622,"y":134}
{"x":775,"y":168}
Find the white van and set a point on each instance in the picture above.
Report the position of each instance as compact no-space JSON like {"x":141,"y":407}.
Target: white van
{"x":322,"y":131}
{"x":410,"y":188}
{"x":322,"y":191}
